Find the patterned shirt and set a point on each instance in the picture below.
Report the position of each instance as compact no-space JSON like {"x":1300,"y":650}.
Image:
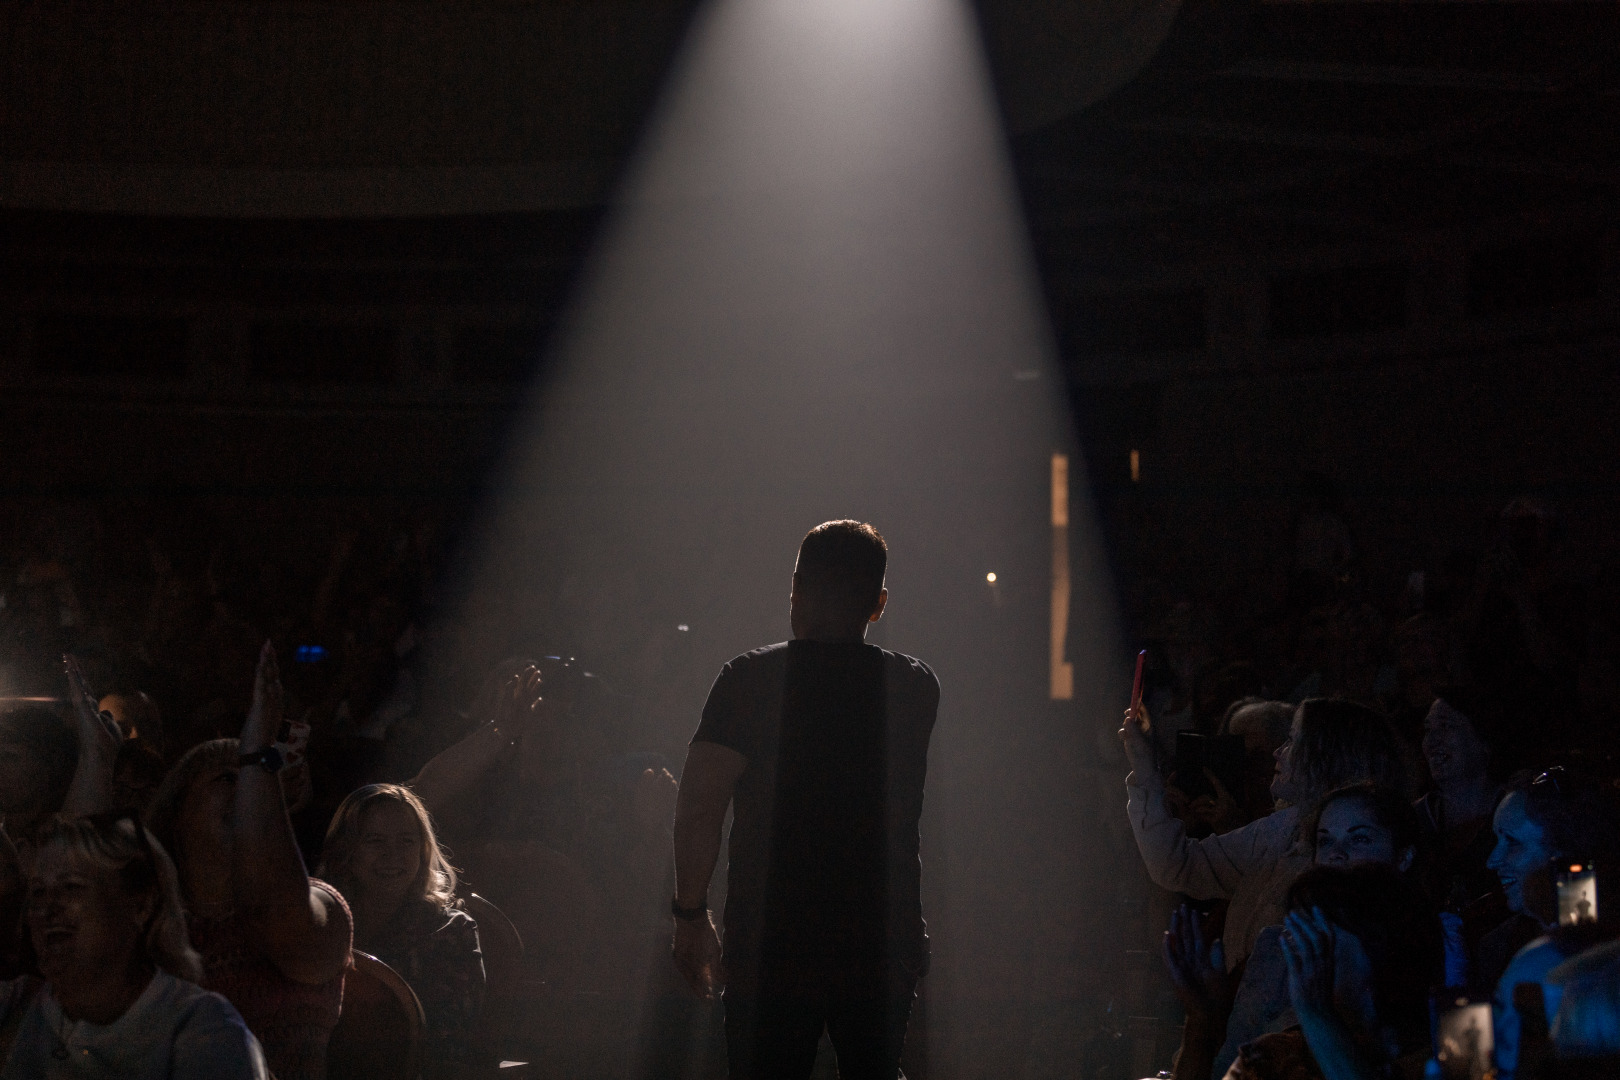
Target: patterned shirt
{"x":436,"y":950}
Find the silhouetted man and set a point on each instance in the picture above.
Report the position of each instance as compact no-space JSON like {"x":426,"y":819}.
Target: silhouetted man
{"x":822,"y":745}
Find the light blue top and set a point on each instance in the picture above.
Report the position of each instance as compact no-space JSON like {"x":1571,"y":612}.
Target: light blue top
{"x":175,"y":1030}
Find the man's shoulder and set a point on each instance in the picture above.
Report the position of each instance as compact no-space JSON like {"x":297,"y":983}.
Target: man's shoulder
{"x":765,"y":654}
{"x":912,"y":673}
{"x":756,"y":663}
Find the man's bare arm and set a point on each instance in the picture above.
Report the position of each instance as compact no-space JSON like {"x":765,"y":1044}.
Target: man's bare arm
{"x":707,"y":784}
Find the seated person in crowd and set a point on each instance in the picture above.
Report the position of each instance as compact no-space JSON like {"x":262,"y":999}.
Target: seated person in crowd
{"x":119,"y":997}
{"x":1332,"y":744}
{"x":274,"y":942}
{"x":38,"y":752}
{"x":572,"y":839}
{"x":47,"y":765}
{"x":1354,"y":827}
{"x":381,"y":852}
{"x":1362,"y":948}
{"x":13,"y":892}
{"x":1586,"y":1024}
{"x":1556,"y":815}
{"x":1467,"y":747}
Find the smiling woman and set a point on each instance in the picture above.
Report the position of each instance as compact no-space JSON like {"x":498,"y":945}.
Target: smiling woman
{"x":119,"y":998}
{"x":382,"y":852}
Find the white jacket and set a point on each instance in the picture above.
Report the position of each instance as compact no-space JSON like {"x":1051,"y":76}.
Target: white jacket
{"x":1252,"y":866}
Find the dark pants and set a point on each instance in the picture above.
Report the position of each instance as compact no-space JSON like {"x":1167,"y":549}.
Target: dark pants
{"x":775,"y":1016}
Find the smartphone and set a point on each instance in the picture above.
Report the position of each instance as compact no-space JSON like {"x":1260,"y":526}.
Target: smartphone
{"x":1576,"y":881}
{"x":1222,"y":755}
{"x":1136,"y":682}
{"x":1464,"y":1039}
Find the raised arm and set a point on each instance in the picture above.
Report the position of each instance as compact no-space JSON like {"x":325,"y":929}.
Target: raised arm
{"x":301,"y":928}
{"x":454,"y":770}
{"x":707,"y":783}
{"x":99,"y":739}
{"x":1207,"y":869}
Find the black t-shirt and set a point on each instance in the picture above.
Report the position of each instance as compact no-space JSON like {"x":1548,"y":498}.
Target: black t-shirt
{"x":824,"y":852}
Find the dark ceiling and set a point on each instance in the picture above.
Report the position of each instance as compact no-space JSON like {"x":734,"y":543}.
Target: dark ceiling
{"x":1281,"y":177}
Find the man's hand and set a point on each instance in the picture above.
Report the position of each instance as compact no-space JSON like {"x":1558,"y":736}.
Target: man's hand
{"x":1198,"y":967}
{"x":1139,"y":746}
{"x":263,"y":722}
{"x":697,"y":956}
{"x":1307,"y":943}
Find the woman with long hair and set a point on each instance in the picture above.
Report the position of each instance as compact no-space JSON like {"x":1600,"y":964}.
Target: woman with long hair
{"x":119,"y":996}
{"x":382,"y":853}
{"x":1352,"y":828}
{"x":1332,"y":744}
{"x":273,"y":941}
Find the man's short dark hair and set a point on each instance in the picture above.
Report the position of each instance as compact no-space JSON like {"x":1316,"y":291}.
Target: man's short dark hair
{"x":845,"y":560}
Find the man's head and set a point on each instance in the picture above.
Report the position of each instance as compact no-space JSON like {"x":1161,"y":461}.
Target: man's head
{"x":838,"y":581}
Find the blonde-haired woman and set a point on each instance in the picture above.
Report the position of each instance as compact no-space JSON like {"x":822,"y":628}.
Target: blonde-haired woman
{"x":382,"y":853}
{"x":119,"y":997}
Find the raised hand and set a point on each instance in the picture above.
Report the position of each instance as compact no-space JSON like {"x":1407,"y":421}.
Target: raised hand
{"x":520,"y":701}
{"x":98,"y":732}
{"x":263,"y":722}
{"x":1138,"y":745}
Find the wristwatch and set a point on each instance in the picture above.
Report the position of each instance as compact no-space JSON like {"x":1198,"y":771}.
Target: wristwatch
{"x":269,"y":759}
{"x":687,"y":914}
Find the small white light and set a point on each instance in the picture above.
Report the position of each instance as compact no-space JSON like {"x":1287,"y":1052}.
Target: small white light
{"x":683,"y":628}
{"x":990,"y":577}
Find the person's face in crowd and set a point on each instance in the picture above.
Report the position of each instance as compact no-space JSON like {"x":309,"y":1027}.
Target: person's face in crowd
{"x":83,"y":922}
{"x":1453,"y":749}
{"x":1521,"y":853}
{"x":206,"y":813}
{"x":22,"y":779}
{"x":388,"y":852}
{"x":1284,"y":787}
{"x":1349,"y":835}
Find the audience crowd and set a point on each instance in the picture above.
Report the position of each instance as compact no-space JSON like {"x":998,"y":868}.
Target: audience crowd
{"x":186,"y":729}
{"x":1376,"y":825}
{"x":1420,"y":810}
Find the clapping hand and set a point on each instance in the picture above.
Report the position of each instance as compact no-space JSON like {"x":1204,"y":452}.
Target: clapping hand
{"x":1197,"y":966}
{"x":1307,"y":944}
